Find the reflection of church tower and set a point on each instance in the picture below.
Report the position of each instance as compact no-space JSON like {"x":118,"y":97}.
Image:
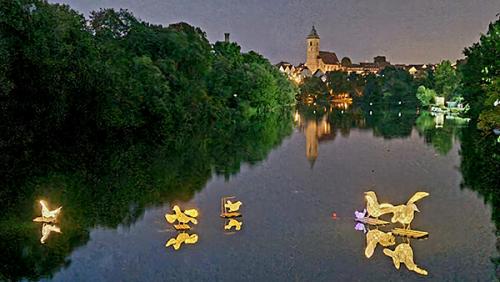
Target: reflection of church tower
{"x":311,"y":133}
{"x":312,"y":50}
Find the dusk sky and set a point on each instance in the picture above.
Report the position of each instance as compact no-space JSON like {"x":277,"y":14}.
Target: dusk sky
{"x":423,"y":31}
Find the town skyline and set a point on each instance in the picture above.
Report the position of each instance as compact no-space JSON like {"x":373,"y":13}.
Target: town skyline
{"x":406,"y":33}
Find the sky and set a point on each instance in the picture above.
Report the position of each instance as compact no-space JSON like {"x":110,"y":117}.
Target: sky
{"x":405,"y":31}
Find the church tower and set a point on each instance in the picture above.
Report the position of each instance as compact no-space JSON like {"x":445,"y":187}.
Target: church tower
{"x":312,"y":50}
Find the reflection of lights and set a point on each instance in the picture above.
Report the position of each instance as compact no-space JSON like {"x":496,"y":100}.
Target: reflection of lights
{"x":371,"y":103}
{"x":296,"y":116}
{"x":399,"y":102}
{"x":47,"y":229}
{"x":374,"y":237}
{"x":180,"y":239}
{"x":371,"y":112}
{"x":399,"y":114}
{"x":342,"y":112}
{"x":233,"y":223}
{"x":404,"y":254}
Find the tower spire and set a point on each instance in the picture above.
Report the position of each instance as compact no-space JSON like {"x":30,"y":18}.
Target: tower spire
{"x":313,"y":33}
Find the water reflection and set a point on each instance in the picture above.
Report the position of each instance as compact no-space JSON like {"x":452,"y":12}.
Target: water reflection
{"x":374,"y":237}
{"x":403,"y":253}
{"x":321,"y":123}
{"x":182,"y":238}
{"x":110,"y":183}
{"x":230,"y":223}
{"x":48,"y":228}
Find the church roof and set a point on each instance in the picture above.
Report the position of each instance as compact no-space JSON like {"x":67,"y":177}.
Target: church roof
{"x":328,"y":57}
{"x":313,"y":33}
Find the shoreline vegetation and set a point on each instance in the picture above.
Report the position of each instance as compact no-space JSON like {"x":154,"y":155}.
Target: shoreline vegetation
{"x":113,"y":75}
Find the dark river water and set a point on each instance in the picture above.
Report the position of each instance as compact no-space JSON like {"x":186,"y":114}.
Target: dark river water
{"x":299,"y":196}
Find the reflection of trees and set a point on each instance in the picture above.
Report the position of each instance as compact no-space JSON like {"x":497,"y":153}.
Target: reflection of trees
{"x":438,"y":131}
{"x":480,"y":167}
{"x":389,"y":124}
{"x":112,"y":183}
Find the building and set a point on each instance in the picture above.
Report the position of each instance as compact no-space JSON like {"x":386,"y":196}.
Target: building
{"x":326,"y":61}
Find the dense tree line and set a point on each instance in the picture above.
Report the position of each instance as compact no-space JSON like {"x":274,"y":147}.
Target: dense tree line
{"x":63,"y":76}
{"x":481,"y":78}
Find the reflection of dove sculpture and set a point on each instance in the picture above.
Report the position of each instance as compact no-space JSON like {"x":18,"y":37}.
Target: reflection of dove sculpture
{"x":232,"y":207}
{"x":373,"y":207}
{"x":404,"y":214}
{"x":46,"y":230}
{"x":182,"y":238}
{"x":233,"y":223}
{"x":49,"y":214}
{"x":374,"y":237}
{"x":182,"y":217}
{"x":404,"y":254}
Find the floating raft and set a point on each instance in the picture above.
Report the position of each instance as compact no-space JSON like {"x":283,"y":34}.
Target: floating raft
{"x":371,"y":221}
{"x":181,"y":227}
{"x":45,"y":219}
{"x":409,"y":233}
{"x":230,"y":214}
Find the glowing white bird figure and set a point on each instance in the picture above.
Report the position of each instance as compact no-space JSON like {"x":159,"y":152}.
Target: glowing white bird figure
{"x":47,"y":229}
{"x":49,"y":214}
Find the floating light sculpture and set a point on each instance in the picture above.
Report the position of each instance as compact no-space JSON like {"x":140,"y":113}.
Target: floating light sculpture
{"x":404,"y":214}
{"x":373,"y":207}
{"x":48,"y":215}
{"x":182,"y":217}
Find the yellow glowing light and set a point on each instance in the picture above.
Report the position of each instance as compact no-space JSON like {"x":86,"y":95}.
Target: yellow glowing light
{"x":180,"y":239}
{"x":47,"y":229}
{"x":232,"y":207}
{"x":182,"y":217}
{"x":373,"y":207}
{"x":404,"y":254}
{"x":374,"y":237}
{"x":233,"y":223}
{"x":404,"y":214}
{"x":47,"y":215}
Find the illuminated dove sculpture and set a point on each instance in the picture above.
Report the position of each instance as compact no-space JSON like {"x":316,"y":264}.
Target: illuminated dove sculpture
{"x":46,"y":230}
{"x":374,"y":237}
{"x":182,"y":238}
{"x":404,"y":214}
{"x":233,"y":223}
{"x":232,"y":207}
{"x":49,"y":214}
{"x":404,"y":254}
{"x":373,"y":207}
{"x":182,"y":217}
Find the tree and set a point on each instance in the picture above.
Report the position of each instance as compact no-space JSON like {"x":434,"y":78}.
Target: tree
{"x":446,"y":80}
{"x":425,"y":95}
